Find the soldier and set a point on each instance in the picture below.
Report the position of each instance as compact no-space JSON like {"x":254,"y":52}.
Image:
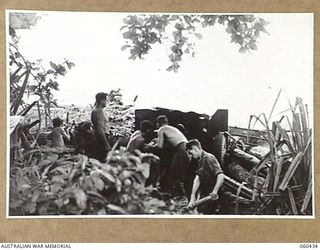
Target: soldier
{"x":101,"y":127}
{"x":174,"y":138}
{"x":209,"y":176}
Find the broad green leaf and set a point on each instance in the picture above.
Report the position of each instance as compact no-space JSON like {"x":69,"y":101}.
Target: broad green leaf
{"x":126,"y":174}
{"x":198,"y":35}
{"x":144,"y":168}
{"x":178,"y":26}
{"x":59,"y":202}
{"x":123,"y":27}
{"x":128,"y":35}
{"x":95,"y":194}
{"x":124,"y":47}
{"x":35,"y":195}
{"x":263,"y":22}
{"x":243,"y":50}
{"x":99,"y":184}
{"x":102,"y":212}
{"x":253,"y":46}
{"x":140,"y":20}
{"x":60,"y":169}
{"x":108,"y":176}
{"x":170,"y":68}
{"x":95,"y":162}
{"x":116,"y":208}
{"x":53,"y":65}
{"x":80,"y":197}
{"x":229,"y":29}
{"x":84,"y":162}
{"x":187,"y":19}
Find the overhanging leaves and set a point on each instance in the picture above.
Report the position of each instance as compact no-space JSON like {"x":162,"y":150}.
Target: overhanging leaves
{"x":142,"y":31}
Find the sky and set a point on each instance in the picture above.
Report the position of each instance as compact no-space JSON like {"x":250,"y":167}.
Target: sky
{"x":218,"y":77}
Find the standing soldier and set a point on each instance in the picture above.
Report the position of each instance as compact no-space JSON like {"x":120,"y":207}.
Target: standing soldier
{"x":101,"y":127}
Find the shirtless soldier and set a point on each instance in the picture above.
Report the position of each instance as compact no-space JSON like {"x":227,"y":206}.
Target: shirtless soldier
{"x":58,"y":134}
{"x":175,"y":139}
{"x":101,"y":127}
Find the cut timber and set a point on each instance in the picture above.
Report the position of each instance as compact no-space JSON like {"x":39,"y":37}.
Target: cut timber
{"x":296,"y":126}
{"x":272,"y":194}
{"x":303,"y":117}
{"x":248,"y":161}
{"x":234,"y":186}
{"x":240,"y":174}
{"x":234,"y":198}
{"x":266,"y":203}
{"x":292,"y":202}
{"x":277,"y":175}
{"x":292,"y":168}
{"x":237,"y":172}
{"x":267,"y":181}
{"x":265,"y":159}
{"x":284,"y":135}
{"x":307,"y":198}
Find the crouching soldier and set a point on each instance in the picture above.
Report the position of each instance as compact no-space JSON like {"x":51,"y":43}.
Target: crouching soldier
{"x":208,"y":179}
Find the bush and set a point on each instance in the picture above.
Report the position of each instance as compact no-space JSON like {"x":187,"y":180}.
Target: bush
{"x":48,"y":181}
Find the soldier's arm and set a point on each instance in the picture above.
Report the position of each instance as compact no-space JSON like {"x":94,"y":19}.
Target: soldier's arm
{"x":64,"y":134}
{"x":195,"y":188}
{"x":160,"y":138}
{"x":219,"y":183}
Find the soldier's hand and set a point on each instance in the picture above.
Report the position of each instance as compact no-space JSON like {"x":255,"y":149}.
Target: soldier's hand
{"x":214,"y":196}
{"x":191,"y":204}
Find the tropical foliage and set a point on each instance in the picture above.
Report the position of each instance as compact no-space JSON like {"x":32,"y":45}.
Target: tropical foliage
{"x":143,"y":31}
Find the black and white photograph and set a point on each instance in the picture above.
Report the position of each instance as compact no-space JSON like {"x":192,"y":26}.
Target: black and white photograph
{"x":159,"y":115}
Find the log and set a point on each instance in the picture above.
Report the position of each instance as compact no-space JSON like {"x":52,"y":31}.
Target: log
{"x":240,"y":174}
{"x":234,"y":186}
{"x":259,"y":151}
{"x":248,"y":161}
{"x":237,"y":172}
